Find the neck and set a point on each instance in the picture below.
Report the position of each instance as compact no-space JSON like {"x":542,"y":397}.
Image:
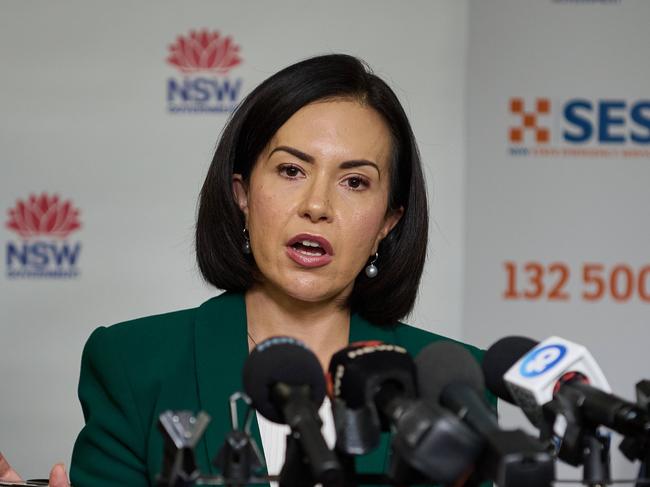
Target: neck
{"x":324,"y":327}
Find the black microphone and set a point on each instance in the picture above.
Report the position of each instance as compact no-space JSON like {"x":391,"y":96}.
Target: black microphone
{"x":497,"y":361}
{"x":449,"y":376}
{"x":286,"y":384}
{"x":373,"y":388}
{"x":374,"y":374}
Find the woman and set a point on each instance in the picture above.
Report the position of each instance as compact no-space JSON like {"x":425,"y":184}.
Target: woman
{"x":313,"y":218}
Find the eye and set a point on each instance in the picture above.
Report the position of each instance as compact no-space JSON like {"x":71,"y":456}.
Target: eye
{"x":356,"y":183}
{"x":289,"y":170}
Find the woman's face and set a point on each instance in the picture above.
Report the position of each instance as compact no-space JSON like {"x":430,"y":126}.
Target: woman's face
{"x":316,"y":201}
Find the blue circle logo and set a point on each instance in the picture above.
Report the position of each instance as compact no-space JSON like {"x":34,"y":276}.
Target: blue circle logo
{"x":539,"y":361}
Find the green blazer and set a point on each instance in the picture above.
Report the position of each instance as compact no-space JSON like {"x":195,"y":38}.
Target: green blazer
{"x":190,"y":359}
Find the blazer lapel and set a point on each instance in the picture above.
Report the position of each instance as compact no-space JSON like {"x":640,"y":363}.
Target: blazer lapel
{"x":221,"y":350}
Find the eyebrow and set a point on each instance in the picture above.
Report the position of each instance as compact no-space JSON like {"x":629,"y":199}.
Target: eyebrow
{"x":310,"y":159}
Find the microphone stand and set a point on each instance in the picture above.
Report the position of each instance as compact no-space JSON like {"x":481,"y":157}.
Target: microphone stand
{"x":239,"y":457}
{"x":181,"y":431}
{"x":596,"y":462}
{"x":308,"y":459}
{"x":643,"y":400}
{"x":637,"y":446}
{"x":296,"y":471}
{"x":579,"y":443}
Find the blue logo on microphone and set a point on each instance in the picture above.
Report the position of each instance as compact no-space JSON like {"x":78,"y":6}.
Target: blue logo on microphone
{"x":539,"y":361}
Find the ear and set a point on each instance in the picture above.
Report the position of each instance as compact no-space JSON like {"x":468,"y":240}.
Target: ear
{"x":390,"y":220}
{"x":240,"y":193}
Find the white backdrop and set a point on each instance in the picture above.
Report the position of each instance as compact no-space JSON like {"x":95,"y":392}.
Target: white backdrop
{"x":582,"y":206}
{"x":84,"y":115}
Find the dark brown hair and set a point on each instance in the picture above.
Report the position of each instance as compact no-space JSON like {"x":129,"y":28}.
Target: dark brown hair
{"x":219,"y":230}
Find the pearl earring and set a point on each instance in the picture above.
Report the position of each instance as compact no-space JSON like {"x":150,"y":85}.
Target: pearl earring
{"x":246,"y":246}
{"x":371,"y":269}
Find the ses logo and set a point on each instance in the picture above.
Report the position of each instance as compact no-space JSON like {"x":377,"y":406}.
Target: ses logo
{"x":43,"y":224}
{"x":204,"y":59}
{"x":539,"y":361}
{"x":579,"y":127}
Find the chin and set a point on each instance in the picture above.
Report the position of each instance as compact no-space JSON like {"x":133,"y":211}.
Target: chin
{"x":315,"y":290}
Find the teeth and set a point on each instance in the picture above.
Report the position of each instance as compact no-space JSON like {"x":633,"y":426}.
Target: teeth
{"x":309,"y":243}
{"x":306,"y":252}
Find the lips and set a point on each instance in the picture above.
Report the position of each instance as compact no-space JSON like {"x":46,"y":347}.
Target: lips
{"x":309,"y":250}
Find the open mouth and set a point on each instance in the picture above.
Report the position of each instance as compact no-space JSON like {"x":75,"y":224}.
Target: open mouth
{"x":310,"y":250}
{"x":308,"y":247}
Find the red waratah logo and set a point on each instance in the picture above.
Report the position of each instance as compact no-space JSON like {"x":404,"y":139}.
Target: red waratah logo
{"x":204,"y":51}
{"x":43,"y":215}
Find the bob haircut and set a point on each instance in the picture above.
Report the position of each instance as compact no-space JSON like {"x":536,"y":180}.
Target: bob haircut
{"x":382,"y":300}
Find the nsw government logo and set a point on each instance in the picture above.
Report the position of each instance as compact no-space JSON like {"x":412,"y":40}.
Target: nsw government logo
{"x":42,"y":249}
{"x":204,"y":60}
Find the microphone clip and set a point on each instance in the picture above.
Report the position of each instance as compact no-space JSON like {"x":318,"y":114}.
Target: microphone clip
{"x":239,"y":458}
{"x":181,"y":432}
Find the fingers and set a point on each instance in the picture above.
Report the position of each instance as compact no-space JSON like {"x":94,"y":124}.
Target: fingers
{"x":58,"y":477}
{"x":6,"y":472}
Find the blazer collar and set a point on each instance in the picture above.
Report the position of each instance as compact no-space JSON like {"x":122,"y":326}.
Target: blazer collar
{"x":221,"y":350}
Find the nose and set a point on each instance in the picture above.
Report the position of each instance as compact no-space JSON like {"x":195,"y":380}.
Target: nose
{"x":315,"y":203}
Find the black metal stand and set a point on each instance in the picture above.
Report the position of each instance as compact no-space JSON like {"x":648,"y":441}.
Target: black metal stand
{"x":238,"y":458}
{"x":296,"y":471}
{"x":596,"y":463}
{"x":580,"y":443}
{"x":181,"y":432}
{"x":643,"y":400}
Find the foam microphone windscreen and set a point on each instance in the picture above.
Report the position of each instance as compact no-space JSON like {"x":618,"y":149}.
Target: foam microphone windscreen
{"x":442,"y":363}
{"x":356,"y":371}
{"x":285,"y":360}
{"x":498,"y":359}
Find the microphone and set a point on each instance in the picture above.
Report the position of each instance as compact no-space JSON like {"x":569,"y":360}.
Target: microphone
{"x":558,"y":367}
{"x":498,"y":359}
{"x":286,"y":384}
{"x":449,"y":376}
{"x":373,"y":389}
{"x":374,"y":376}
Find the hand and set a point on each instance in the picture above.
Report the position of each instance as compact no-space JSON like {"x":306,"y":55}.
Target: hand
{"x":58,"y":477}
{"x":6,"y":472}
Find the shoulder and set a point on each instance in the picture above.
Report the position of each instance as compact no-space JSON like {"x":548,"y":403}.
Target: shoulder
{"x":161,"y":339}
{"x":139,"y":361}
{"x":414,"y":339}
{"x":164,"y":330}
{"x":140,"y":335}
{"x":147,"y":328}
{"x":138,"y":351}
